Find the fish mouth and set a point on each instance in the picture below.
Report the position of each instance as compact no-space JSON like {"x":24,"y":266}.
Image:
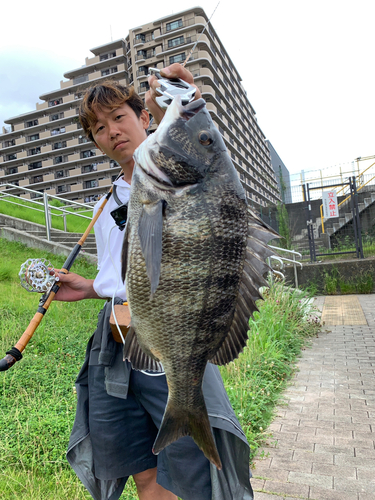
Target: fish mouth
{"x":166,"y":184}
{"x":191,"y":109}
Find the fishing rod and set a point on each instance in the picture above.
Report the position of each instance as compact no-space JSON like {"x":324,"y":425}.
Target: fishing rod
{"x":36,"y":276}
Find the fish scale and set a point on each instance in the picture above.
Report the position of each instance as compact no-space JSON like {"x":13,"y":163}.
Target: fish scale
{"x":189,"y":287}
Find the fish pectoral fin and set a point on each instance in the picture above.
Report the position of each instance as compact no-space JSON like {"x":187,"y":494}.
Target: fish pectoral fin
{"x":150,"y":233}
{"x":137,"y":357}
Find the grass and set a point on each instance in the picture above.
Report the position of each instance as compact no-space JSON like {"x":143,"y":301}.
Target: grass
{"x":38,"y":395}
{"x":334,"y":282}
{"x":26,"y":211}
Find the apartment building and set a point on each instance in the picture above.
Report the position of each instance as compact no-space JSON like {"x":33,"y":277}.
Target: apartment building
{"x":46,"y":150}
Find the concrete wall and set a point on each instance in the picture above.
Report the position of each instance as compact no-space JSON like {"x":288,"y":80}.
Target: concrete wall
{"x":32,"y":241}
{"x":313,"y":274}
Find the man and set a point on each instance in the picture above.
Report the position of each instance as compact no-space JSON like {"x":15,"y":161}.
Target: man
{"x":119,"y":410}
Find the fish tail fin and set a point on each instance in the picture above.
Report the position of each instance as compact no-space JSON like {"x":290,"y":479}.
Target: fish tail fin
{"x":177,"y":423}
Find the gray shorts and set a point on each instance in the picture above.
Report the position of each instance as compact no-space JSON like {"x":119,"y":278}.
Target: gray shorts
{"x":123,"y":432}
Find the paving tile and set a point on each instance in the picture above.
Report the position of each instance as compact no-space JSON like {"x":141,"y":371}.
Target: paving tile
{"x":319,"y":480}
{"x":293,"y":465}
{"x":258,"y":495}
{"x":358,"y":462}
{"x":354,"y":485}
{"x":335,"y":450}
{"x":364,"y":452}
{"x":326,"y":425}
{"x":288,"y":489}
{"x":257,"y":484}
{"x":334,"y":470}
{"x":327,"y":494}
{"x":273,"y":474}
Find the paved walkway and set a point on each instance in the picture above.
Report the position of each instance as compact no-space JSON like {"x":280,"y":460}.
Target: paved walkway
{"x":323,"y":437}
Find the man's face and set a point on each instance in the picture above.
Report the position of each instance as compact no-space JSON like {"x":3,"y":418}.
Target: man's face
{"x":119,"y":132}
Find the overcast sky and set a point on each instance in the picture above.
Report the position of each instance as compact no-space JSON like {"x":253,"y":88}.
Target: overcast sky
{"x":307,"y":66}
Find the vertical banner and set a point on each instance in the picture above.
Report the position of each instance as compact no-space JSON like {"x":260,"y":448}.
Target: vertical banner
{"x":330,"y":208}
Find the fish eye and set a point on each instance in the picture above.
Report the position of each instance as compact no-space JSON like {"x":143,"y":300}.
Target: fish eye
{"x":204,"y":138}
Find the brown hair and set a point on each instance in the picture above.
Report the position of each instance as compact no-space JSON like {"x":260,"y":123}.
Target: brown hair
{"x":108,"y":94}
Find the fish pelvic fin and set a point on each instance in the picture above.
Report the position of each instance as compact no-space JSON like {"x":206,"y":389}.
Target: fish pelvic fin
{"x":150,"y":231}
{"x":137,"y":357}
{"x":178,"y":423}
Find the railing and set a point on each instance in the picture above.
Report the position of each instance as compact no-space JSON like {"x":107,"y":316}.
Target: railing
{"x":44,"y":206}
{"x":282,"y":259}
{"x":360,"y":179}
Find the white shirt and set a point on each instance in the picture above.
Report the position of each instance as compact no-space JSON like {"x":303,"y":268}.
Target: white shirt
{"x":109,"y":240}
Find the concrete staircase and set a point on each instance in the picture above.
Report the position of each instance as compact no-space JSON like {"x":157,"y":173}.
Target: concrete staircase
{"x":34,"y":235}
{"x":331,"y":226}
{"x":334,"y":227}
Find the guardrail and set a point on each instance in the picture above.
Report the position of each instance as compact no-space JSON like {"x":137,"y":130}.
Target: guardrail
{"x":282,"y":259}
{"x":41,"y":202}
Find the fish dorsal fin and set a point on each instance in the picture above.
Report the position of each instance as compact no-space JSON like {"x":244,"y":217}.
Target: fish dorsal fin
{"x":139,"y":360}
{"x":150,"y":233}
{"x":252,"y":279}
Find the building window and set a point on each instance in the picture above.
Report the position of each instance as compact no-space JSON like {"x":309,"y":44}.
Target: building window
{"x":141,"y":37}
{"x":174,"y":25}
{"x":62,"y":189}
{"x":31,"y":123}
{"x":59,"y":145}
{"x":57,"y":159}
{"x":89,"y":168}
{"x":88,"y":153}
{"x":178,"y":58}
{"x":91,"y":184}
{"x":142,"y":70}
{"x":34,"y":151}
{"x":104,"y":57}
{"x":59,"y":174}
{"x":38,"y":178}
{"x":176,"y":41}
{"x":11,"y":157}
{"x":109,"y":71}
{"x":33,"y":137}
{"x":34,"y":165}
{"x":13,"y":170}
{"x":55,"y":102}
{"x":144,"y":86}
{"x":57,"y":131}
{"x":7,"y":144}
{"x":56,"y":116}
{"x":80,"y":79}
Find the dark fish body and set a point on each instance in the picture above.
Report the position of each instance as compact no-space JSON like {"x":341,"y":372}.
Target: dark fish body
{"x":191,"y":277}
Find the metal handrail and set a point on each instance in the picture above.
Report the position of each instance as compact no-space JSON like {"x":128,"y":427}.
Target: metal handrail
{"x":362,"y":185}
{"x":285,"y":259}
{"x":46,"y":207}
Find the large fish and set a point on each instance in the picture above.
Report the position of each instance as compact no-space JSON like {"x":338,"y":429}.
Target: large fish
{"x":194,"y":261}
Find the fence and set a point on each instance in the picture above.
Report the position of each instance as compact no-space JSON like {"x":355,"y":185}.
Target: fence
{"x":42,"y":204}
{"x":362,"y":168}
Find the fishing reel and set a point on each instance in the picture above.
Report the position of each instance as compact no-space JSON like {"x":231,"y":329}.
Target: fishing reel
{"x":37,"y":275}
